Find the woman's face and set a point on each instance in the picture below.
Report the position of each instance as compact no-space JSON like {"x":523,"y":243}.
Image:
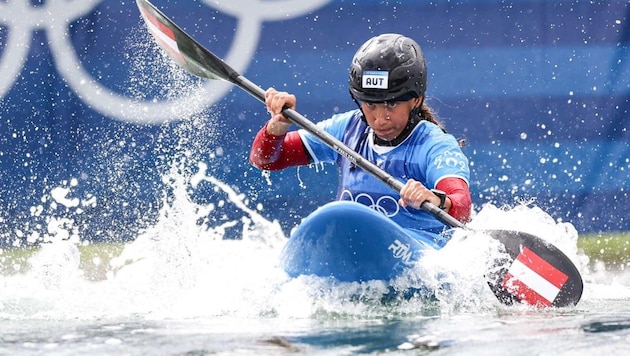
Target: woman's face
{"x":388,"y":119}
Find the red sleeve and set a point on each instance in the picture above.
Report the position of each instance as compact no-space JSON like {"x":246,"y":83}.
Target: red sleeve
{"x":272,"y":153}
{"x":457,"y":191}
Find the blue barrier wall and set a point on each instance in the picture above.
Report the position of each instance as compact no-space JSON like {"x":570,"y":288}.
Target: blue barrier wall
{"x":540,"y":89}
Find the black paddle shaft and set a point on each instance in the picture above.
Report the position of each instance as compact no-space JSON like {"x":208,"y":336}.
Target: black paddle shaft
{"x":344,"y":150}
{"x":556,"y":267}
{"x":203,"y":63}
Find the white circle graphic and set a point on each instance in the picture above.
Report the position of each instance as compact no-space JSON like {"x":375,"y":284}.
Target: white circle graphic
{"x":54,"y":16}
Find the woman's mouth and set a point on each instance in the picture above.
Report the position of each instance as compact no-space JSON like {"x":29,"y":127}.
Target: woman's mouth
{"x":385,"y":134}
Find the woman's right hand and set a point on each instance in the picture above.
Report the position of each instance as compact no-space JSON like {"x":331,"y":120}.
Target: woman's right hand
{"x":276,"y":101}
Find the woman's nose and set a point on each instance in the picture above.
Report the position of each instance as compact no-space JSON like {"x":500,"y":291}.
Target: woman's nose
{"x":381,"y":113}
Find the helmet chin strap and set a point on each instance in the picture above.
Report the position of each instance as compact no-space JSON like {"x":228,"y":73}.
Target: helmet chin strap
{"x":358,"y":105}
{"x":416,"y":111}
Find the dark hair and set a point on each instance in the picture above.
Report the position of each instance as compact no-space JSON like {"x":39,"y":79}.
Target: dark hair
{"x":427,"y":113}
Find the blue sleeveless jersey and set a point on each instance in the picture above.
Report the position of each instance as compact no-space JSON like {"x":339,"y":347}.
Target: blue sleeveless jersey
{"x":427,"y":155}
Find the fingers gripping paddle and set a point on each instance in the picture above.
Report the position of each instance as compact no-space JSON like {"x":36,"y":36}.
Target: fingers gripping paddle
{"x":534,"y":272}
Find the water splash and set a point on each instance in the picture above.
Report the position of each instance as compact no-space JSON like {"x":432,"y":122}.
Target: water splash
{"x":182,"y":267}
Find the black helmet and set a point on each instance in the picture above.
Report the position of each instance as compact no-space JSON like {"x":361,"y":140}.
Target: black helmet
{"x":388,"y":67}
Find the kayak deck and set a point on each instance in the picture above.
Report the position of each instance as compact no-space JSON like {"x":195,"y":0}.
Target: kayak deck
{"x":350,"y":242}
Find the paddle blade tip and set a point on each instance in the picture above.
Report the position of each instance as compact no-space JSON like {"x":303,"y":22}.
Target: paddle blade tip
{"x":533,"y":272}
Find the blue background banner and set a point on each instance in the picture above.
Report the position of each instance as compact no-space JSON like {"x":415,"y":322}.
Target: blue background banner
{"x":93,"y":116}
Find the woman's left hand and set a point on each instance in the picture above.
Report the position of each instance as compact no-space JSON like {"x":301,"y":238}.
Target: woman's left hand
{"x":414,"y":193}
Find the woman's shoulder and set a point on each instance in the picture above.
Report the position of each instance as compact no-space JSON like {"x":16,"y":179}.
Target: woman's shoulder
{"x":428,"y":134}
{"x":428,"y":128}
{"x":352,"y":115}
{"x":342,"y":120}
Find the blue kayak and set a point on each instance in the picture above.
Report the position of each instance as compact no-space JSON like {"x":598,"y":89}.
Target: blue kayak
{"x":350,"y":242}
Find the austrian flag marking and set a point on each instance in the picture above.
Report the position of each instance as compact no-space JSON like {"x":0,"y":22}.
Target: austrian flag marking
{"x":163,"y":35}
{"x":533,"y":280}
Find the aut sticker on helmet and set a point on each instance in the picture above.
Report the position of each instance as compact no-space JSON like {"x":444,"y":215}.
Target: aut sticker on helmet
{"x":375,"y":79}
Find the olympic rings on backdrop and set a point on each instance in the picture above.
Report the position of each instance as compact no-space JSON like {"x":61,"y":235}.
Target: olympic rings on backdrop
{"x":54,"y":16}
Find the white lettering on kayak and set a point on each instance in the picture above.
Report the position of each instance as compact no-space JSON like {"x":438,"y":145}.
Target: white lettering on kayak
{"x":400,"y":250}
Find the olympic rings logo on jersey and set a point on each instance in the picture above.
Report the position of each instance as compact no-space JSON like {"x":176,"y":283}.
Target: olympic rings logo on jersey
{"x":385,"y":205}
{"x":54,"y":16}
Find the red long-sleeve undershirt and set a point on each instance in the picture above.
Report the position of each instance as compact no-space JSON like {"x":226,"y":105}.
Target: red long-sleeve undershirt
{"x":457,"y":191}
{"x":272,"y":153}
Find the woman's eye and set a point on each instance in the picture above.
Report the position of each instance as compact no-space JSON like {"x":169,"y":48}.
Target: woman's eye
{"x":391,"y":104}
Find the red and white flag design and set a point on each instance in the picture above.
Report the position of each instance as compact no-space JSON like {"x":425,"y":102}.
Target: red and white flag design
{"x":163,"y":35}
{"x":533,"y":280}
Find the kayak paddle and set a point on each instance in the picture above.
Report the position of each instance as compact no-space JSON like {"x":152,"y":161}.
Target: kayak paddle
{"x":536,"y":273}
